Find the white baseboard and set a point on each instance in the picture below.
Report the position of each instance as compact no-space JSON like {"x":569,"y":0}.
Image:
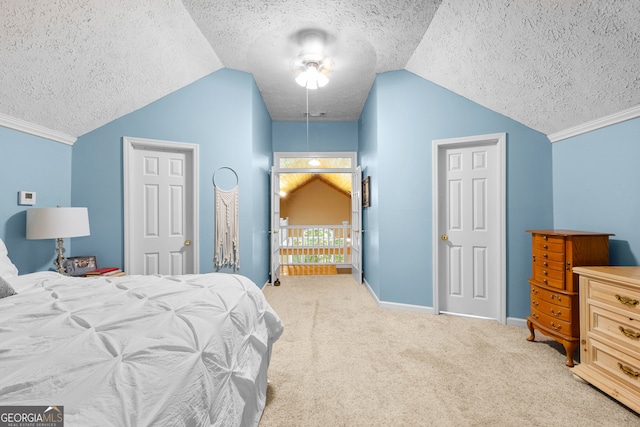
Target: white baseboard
{"x":516,"y":321}
{"x":512,"y":321}
{"x":397,"y":305}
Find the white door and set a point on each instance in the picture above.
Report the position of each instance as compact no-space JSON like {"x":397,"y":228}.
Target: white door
{"x":356,"y":225}
{"x":275,"y":226}
{"x":160,"y":207}
{"x":469,"y":226}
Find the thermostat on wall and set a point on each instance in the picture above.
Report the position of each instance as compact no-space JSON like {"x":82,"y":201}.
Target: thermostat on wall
{"x":27,"y":198}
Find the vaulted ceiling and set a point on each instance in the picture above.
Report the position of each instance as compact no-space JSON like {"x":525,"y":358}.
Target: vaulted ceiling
{"x":74,"y":65}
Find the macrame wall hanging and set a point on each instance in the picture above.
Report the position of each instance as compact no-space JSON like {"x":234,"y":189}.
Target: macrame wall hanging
{"x":227,"y":250}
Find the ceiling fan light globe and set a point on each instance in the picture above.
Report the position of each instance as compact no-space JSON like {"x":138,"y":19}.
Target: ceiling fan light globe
{"x":312,"y":84}
{"x":322,"y":80}
{"x":302,"y":79}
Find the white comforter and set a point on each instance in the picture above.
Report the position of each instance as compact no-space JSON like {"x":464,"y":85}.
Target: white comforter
{"x":138,"y":350}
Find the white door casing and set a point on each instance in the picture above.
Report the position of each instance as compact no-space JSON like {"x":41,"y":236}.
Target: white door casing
{"x":469,"y":226}
{"x":160,"y":207}
{"x":276,"y":237}
{"x":356,"y":225}
{"x":275,"y":226}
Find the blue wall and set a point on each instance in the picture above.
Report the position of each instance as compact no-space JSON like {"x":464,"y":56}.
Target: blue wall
{"x":596,"y":187}
{"x":403,"y":115}
{"x":32,"y":163}
{"x":323,"y":136}
{"x":223,"y":113}
{"x":368,"y":159}
{"x":261,"y":159}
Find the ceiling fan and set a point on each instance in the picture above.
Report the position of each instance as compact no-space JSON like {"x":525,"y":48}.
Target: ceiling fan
{"x":312,"y":67}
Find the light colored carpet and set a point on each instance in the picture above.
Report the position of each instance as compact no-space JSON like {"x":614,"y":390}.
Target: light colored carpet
{"x":342,"y":361}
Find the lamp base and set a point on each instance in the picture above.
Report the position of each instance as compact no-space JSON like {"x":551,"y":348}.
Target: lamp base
{"x":59,"y":262}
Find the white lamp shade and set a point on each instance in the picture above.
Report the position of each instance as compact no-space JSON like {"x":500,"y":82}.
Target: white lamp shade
{"x":54,"y":223}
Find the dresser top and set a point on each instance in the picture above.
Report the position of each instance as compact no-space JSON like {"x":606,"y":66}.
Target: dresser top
{"x":569,"y":233}
{"x":625,"y":274}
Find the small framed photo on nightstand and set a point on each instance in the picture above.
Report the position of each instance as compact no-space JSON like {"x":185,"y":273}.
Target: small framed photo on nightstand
{"x":79,"y":265}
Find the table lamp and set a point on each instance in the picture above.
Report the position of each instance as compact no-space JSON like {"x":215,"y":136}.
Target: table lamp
{"x":57,"y":223}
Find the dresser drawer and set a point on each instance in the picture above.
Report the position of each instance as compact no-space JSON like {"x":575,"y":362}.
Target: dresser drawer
{"x":549,"y":274}
{"x":620,"y":329}
{"x":618,"y":298}
{"x":552,"y":309}
{"x":549,"y":265}
{"x":548,"y":256}
{"x":558,"y":325}
{"x":551,"y":243}
{"x":553,"y":297}
{"x":553,"y":278}
{"x":616,"y":364}
{"x":558,"y":284}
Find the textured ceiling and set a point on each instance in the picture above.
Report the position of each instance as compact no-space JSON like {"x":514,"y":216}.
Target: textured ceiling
{"x":363,"y":38}
{"x":548,"y":64}
{"x":74,"y":65}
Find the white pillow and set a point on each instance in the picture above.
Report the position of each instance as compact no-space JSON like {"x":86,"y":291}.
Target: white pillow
{"x":7,"y":269}
{"x":5,"y":289}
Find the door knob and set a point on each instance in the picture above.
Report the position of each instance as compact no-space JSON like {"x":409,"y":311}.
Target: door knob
{"x":187,"y":242}
{"x":444,"y":237}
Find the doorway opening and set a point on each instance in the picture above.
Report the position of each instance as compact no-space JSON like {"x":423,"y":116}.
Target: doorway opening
{"x":313,"y":213}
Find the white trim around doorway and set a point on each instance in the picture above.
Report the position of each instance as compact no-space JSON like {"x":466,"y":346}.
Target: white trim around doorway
{"x":500,"y":140}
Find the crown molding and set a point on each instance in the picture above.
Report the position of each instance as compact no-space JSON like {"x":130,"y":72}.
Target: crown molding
{"x":37,"y":130}
{"x":612,"y":119}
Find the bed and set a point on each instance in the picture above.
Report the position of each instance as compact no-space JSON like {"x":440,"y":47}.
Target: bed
{"x":187,"y":350}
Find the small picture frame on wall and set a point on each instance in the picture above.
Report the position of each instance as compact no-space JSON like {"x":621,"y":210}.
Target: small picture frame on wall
{"x":80,"y":265}
{"x":366,"y":194}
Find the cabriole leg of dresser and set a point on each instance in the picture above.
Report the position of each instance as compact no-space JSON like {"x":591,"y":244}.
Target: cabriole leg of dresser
{"x":531,"y":330}
{"x":570,"y":347}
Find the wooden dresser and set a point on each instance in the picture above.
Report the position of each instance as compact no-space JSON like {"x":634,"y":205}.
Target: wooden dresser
{"x":554,"y":287}
{"x":610,"y":331}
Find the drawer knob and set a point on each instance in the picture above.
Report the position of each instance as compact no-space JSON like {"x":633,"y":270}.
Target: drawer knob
{"x":534,"y":303}
{"x":627,"y":370}
{"x":627,"y":300}
{"x":545,"y":237}
{"x":629,"y":333}
{"x":544,"y":272}
{"x":534,"y":291}
{"x":545,"y":247}
{"x":556,"y":297}
{"x":556,"y":313}
{"x":556,"y":327}
{"x":534,"y":315}
{"x":545,"y":256}
{"x":545,"y":264}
